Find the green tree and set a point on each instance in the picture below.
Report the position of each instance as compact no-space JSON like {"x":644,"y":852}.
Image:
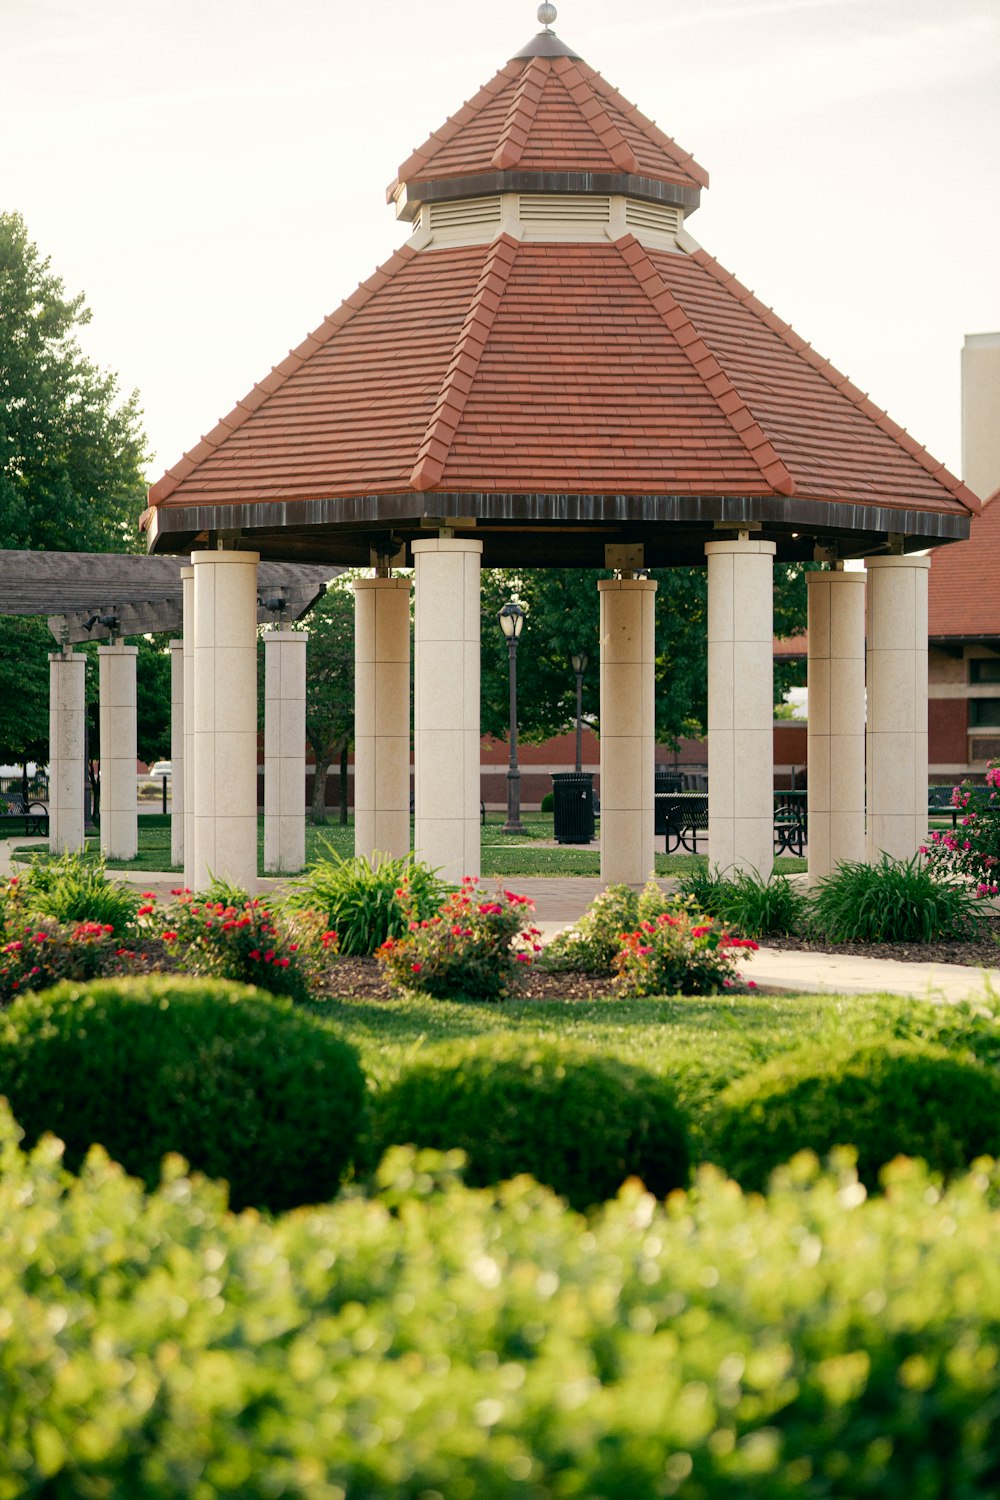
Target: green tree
{"x":25,"y":644}
{"x":330,"y":691}
{"x":71,"y":451}
{"x":563,"y":616}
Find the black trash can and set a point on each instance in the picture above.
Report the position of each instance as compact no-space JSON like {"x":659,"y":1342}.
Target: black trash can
{"x":665,"y":783}
{"x":573,"y":806}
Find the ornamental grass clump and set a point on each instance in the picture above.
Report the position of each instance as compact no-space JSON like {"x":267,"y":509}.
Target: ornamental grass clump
{"x":971,"y":852}
{"x":679,"y":952}
{"x":894,"y":901}
{"x":747,"y":903}
{"x":74,"y":888}
{"x":472,"y":948}
{"x":367,"y":901}
{"x":250,"y":943}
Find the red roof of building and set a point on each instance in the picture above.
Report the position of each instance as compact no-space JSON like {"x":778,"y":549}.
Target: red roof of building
{"x":963,"y":591}
{"x":545,"y":114}
{"x":555,"y":366}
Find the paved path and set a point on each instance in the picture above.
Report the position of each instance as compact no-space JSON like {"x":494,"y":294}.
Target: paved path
{"x":560,"y":900}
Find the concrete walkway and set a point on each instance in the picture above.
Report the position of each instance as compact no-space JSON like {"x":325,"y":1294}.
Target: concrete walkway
{"x":560,"y":900}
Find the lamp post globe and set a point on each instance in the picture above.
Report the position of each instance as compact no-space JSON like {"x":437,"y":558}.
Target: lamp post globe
{"x":512,"y":623}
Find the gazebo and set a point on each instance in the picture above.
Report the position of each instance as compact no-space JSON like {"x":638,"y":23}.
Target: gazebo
{"x":551,"y":372}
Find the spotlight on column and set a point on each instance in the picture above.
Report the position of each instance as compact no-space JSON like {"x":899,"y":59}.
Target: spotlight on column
{"x":512,"y":623}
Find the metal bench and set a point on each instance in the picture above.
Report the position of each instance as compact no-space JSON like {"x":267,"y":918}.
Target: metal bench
{"x":682,"y":816}
{"x":34,"y":815}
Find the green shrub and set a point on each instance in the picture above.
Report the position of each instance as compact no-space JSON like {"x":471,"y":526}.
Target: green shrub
{"x":569,"y":1114}
{"x":547,"y":803}
{"x":43,"y":951}
{"x":680,"y":952}
{"x":75,"y":888}
{"x":893,"y":901}
{"x":363,"y":901}
{"x":243,"y":1085}
{"x":884,"y":1099}
{"x":436,"y":1340}
{"x":590,"y":945}
{"x":755,"y":907}
{"x":466,"y":950}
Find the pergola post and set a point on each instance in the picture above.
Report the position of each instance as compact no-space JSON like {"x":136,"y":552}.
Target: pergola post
{"x":836,"y":735}
{"x":177,"y":676}
{"x":897,"y":705}
{"x":446,"y":704}
{"x":628,"y":652}
{"x":284,"y":751}
{"x":224,"y":723}
{"x":382,"y":717}
{"x":119,"y":810}
{"x":740,"y":705}
{"x":187,"y":760}
{"x":67,"y":710}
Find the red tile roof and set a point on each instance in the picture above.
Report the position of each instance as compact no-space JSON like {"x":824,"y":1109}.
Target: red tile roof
{"x":539,"y":367}
{"x":549,"y":114}
{"x":964,"y":581}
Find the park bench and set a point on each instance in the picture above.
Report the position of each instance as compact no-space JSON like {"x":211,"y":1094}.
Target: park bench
{"x":34,"y":815}
{"x":682,"y":816}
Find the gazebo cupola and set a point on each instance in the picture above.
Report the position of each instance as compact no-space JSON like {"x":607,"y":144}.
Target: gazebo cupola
{"x":551,"y":372}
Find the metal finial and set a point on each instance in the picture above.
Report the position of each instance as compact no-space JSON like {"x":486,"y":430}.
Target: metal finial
{"x":547,"y":14}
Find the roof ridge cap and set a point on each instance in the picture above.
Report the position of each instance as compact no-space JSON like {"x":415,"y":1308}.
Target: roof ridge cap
{"x":521,"y":114}
{"x":464,"y":363}
{"x":949,"y":481}
{"x":649,"y":128}
{"x":718,"y":384}
{"x":294,"y":360}
{"x":601,"y":124}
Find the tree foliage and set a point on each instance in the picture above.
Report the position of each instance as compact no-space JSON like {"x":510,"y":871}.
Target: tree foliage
{"x":330,"y":687}
{"x":71,"y":451}
{"x":562,"y":610}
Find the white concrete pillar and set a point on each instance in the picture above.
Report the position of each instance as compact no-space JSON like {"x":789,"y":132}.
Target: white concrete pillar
{"x":382,"y":716}
{"x":446,"y":704}
{"x":284,"y":751}
{"x":836,"y":759}
{"x":187,"y":762}
{"x":225,"y":718}
{"x":740,"y":706}
{"x":177,"y":752}
{"x":897,"y":705}
{"x":119,"y":809}
{"x":67,"y":709}
{"x":628,"y":728}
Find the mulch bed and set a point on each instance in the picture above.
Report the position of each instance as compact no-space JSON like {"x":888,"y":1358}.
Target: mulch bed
{"x":361,"y":979}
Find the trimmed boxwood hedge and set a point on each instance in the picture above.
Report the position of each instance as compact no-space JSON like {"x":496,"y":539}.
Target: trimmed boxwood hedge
{"x":885,"y":1099}
{"x":571,"y":1115}
{"x":244,"y":1085}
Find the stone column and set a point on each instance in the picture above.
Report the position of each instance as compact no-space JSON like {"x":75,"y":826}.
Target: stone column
{"x":740,"y":706}
{"x":119,"y":809}
{"x":187,"y":763}
{"x":446,"y":704}
{"x":836,"y":759}
{"x":177,"y":676}
{"x":382,"y":716}
{"x":67,"y":708}
{"x":225,"y":718}
{"x":628,"y":653}
{"x":284,"y":751}
{"x":897,"y":705}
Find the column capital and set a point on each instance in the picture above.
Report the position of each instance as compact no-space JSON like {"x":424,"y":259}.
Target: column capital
{"x":626,"y":585}
{"x":117,"y":648}
{"x":746,"y":549}
{"x":446,"y":544}
{"x":221,"y":559}
{"x":905,"y":560}
{"x":361,"y":584}
{"x":856,"y":576}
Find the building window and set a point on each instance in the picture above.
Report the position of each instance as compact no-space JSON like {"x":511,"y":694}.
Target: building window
{"x":984,"y":713}
{"x":984,"y":669}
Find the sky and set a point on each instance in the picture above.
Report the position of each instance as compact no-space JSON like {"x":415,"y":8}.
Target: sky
{"x":212,"y":173}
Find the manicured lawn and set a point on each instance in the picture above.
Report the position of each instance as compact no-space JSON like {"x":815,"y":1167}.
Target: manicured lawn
{"x":509,"y":855}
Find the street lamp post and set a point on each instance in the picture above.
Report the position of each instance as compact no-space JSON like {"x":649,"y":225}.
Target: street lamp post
{"x":511,"y":623}
{"x":579,"y":660}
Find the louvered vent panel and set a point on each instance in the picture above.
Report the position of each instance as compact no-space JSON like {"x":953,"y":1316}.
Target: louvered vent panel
{"x":465,"y":213}
{"x":983,"y":747}
{"x":559,"y":208}
{"x":659,"y":217}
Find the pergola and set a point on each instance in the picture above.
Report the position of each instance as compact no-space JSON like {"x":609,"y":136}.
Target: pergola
{"x":107,"y":597}
{"x":551,"y":372}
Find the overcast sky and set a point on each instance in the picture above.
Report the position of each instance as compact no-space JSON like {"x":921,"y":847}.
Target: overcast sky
{"x":212,"y":173}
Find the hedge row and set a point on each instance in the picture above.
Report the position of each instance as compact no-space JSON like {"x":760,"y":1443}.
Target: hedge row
{"x":436,"y":1340}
